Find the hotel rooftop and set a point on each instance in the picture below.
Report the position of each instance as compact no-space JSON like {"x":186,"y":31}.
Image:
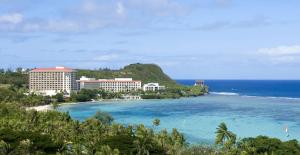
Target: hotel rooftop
{"x":54,"y":69}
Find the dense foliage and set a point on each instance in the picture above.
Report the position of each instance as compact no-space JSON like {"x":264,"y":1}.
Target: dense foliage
{"x":176,"y":92}
{"x":18,"y":78}
{"x":21,"y":97}
{"x":261,"y":145}
{"x":32,"y":132}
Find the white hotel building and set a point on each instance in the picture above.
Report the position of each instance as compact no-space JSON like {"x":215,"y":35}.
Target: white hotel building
{"x":153,"y":87}
{"x":113,"y":85}
{"x":50,"y":81}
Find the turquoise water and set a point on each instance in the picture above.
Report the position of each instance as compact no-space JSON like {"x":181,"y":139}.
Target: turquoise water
{"x":198,"y":117}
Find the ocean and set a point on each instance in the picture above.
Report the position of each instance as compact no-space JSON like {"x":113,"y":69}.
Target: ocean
{"x":266,"y":88}
{"x":249,"y":108}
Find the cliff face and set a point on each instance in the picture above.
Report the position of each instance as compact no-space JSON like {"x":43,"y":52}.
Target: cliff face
{"x":144,"y":72}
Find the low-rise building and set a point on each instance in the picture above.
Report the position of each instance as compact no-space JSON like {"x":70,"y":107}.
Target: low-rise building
{"x":50,"y":81}
{"x":113,"y":85}
{"x":199,"y":83}
{"x":131,"y":97}
{"x":153,"y":87}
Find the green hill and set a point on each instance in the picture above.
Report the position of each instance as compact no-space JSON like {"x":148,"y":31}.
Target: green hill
{"x":144,"y":72}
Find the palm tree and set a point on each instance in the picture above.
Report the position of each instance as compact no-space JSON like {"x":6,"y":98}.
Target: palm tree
{"x":143,"y":142}
{"x":4,"y":147}
{"x":55,"y":105}
{"x":106,"y":150}
{"x":156,"y":122}
{"x":225,"y":137}
{"x":163,"y":138}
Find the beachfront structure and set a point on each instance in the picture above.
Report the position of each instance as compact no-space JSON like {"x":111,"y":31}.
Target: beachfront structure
{"x":153,"y":87}
{"x":50,"y":81}
{"x":131,"y":97}
{"x":199,"y":83}
{"x":113,"y":85}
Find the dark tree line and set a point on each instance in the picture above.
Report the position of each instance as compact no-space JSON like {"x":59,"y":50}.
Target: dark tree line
{"x":17,"y":78}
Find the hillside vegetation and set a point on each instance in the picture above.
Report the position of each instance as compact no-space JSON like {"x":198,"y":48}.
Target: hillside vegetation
{"x":144,"y":72}
{"x":13,"y":78}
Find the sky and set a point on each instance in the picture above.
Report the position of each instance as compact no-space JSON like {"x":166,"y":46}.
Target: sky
{"x":189,"y":39}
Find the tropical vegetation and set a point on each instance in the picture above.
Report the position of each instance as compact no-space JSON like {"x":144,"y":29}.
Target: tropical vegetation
{"x":31,"y":132}
{"x":25,"y":132}
{"x":16,"y":78}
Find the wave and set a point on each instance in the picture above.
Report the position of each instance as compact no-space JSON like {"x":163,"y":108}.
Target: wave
{"x":253,"y":96}
{"x":225,"y":93}
{"x":273,"y":97}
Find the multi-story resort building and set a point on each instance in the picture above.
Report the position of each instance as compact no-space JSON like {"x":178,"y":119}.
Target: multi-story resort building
{"x":113,"y":85}
{"x":50,"y":81}
{"x":153,"y":87}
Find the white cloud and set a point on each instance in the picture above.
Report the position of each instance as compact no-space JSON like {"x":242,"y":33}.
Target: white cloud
{"x":281,"y":54}
{"x":281,"y":50}
{"x":159,"y":7}
{"x":120,"y":9}
{"x":256,"y":21}
{"x":107,"y":57}
{"x":92,"y":15}
{"x":59,"y":25}
{"x":13,"y":18}
{"x":89,"y":6}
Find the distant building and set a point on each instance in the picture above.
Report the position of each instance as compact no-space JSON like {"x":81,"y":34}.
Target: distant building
{"x":50,"y":81}
{"x":131,"y":97}
{"x":199,"y":83}
{"x":113,"y":85}
{"x":153,"y":87}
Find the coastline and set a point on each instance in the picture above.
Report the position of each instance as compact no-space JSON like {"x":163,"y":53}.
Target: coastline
{"x":41,"y":107}
{"x":48,"y":107}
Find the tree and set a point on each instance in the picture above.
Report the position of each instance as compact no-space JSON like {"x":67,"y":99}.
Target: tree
{"x":59,"y":97}
{"x":106,"y":150}
{"x":143,"y":142}
{"x":197,"y":90}
{"x":104,"y":117}
{"x":224,"y":137}
{"x":156,"y":122}
{"x":19,"y":70}
{"x":4,"y":147}
{"x":55,"y":105}
{"x":163,"y":138}
{"x":82,"y":98}
{"x":266,"y":145}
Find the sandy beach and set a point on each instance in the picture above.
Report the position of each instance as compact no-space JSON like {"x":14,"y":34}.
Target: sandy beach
{"x":47,"y":107}
{"x":50,"y":107}
{"x":41,"y":108}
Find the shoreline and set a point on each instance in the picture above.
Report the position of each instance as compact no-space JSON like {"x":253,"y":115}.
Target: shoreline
{"x":41,"y":107}
{"x":48,"y":107}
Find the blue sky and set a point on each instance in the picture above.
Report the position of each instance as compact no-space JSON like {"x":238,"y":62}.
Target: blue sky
{"x":207,"y":39}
